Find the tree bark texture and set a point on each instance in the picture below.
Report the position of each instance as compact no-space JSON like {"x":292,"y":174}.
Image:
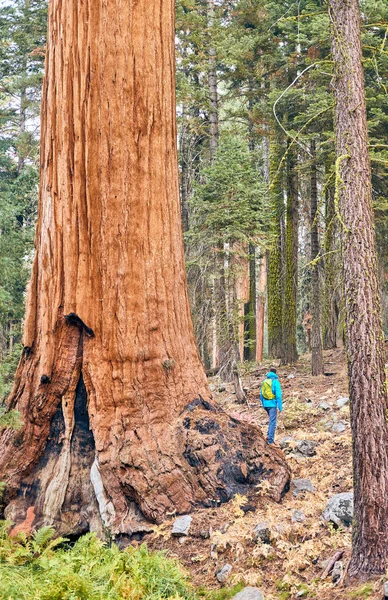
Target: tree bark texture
{"x":275,"y":255}
{"x":289,"y":351}
{"x":260,"y":307}
{"x":118,"y":428}
{"x":316,"y":336}
{"x":368,"y":396}
{"x":332,"y":268}
{"x":185,"y":176}
{"x":213,"y":88}
{"x":250,"y":309}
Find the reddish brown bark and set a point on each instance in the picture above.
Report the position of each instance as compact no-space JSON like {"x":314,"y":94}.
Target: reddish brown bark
{"x":118,"y":428}
{"x":368,"y":396}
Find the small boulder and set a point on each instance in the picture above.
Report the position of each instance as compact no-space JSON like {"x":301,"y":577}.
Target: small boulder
{"x":286,"y":441}
{"x":337,"y":572}
{"x":181,"y":526}
{"x":291,"y":376}
{"x":262,"y":533}
{"x":307,"y":447}
{"x":247,"y":508}
{"x":339,"y":427}
{"x":342,"y":401}
{"x":302,"y":485}
{"x":339,"y":509}
{"x":224,"y":573}
{"x":324,"y":406}
{"x":249,"y":593}
{"x":298,"y":516}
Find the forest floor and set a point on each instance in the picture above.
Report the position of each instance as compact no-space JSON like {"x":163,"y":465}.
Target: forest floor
{"x":290,"y":566}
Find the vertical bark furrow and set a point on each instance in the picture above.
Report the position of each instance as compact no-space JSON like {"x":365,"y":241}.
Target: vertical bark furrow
{"x":368,"y":395}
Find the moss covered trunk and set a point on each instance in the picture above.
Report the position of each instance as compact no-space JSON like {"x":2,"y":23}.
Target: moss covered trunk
{"x":275,"y":254}
{"x":289,"y":352}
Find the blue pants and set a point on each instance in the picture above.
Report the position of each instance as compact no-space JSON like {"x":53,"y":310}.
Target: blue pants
{"x":272,"y":413}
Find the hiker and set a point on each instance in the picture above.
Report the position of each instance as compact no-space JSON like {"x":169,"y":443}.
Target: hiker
{"x":271,"y":399}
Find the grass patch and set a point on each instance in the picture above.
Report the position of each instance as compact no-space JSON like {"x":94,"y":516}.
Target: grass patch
{"x":364,"y":591}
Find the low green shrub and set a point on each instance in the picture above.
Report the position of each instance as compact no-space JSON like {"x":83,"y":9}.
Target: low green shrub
{"x":42,"y":567}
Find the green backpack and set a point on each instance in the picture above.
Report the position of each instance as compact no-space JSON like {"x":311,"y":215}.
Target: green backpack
{"x":266,"y":390}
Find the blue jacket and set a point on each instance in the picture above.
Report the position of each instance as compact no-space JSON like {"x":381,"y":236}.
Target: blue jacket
{"x":277,"y":390}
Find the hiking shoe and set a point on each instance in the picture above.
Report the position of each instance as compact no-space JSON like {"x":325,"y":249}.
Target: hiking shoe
{"x":274,"y":445}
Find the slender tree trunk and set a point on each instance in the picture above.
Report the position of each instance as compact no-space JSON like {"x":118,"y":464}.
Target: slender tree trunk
{"x":331,"y":309}
{"x":316,"y":336}
{"x":275,"y":256}
{"x":213,"y":89}
{"x":289,"y":352}
{"x":260,"y":308}
{"x":220,"y":345}
{"x":368,"y":395}
{"x":251,"y":315}
{"x":251,"y":326}
{"x":117,"y":424}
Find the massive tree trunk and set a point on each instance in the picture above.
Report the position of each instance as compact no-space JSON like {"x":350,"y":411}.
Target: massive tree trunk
{"x":368,"y":395}
{"x":117,"y":424}
{"x":316,"y":337}
{"x":289,"y":351}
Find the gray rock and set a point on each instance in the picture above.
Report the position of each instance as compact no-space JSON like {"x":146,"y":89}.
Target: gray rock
{"x":301,"y":485}
{"x":324,"y":406}
{"x":337,"y":572}
{"x":212,"y":387}
{"x":249,"y":593}
{"x":298,"y":516}
{"x":291,"y":376}
{"x":339,"y":427}
{"x":342,"y":401}
{"x":286,"y":441}
{"x":339,"y":509}
{"x":224,"y":573}
{"x":181,"y":526}
{"x":262,"y":533}
{"x":328,"y":425}
{"x":385,"y":590}
{"x":307,"y":447}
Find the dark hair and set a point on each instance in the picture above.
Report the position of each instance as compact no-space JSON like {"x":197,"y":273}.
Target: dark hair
{"x":272,"y":370}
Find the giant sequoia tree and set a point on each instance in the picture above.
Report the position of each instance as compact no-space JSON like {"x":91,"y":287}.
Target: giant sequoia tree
{"x":117,"y":423}
{"x":368,"y":395}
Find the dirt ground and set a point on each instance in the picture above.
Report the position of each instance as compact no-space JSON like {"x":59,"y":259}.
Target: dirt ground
{"x":290,"y":566}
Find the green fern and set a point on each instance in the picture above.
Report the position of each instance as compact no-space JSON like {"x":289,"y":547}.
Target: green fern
{"x":42,"y":567}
